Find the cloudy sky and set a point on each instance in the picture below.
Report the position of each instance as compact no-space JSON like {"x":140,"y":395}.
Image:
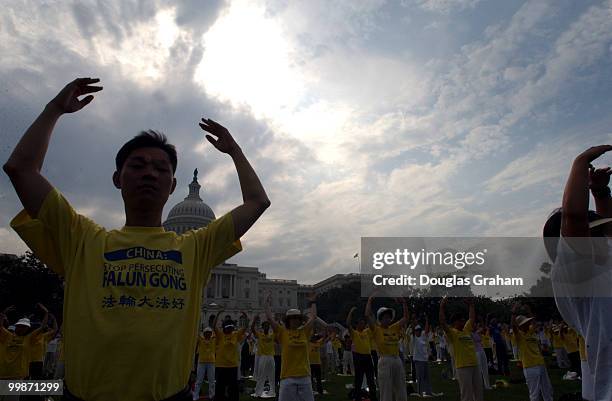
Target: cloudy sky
{"x":362,"y":118}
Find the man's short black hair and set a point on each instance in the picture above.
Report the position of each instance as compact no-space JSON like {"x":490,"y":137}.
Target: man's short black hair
{"x":146,"y":139}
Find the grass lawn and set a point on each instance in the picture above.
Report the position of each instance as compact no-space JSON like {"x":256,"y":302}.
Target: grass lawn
{"x":515,"y":392}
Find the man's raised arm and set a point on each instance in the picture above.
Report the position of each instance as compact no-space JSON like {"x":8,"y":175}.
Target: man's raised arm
{"x":25,"y":163}
{"x":255,"y":200}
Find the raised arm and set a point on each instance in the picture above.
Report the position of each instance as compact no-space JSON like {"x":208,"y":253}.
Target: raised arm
{"x":472,"y":311}
{"x":349,"y":319}
{"x":575,"y":206}
{"x":369,"y":315}
{"x":255,"y":200}
{"x":313,"y":312}
{"x":513,"y":322}
{"x":406,"y":314}
{"x":253,"y":330}
{"x":25,"y":163}
{"x":442,"y":314}
{"x":598,"y":182}
{"x":269,"y":316}
{"x":215,"y":326}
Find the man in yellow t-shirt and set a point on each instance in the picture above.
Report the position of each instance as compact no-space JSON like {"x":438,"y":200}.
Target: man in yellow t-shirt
{"x":206,"y":363}
{"x":362,"y":355}
{"x":141,"y":283}
{"x":17,"y":346}
{"x":265,"y":358}
{"x":227,"y":340}
{"x":294,"y":337}
{"x":314,"y":357}
{"x":387,"y":335}
{"x":39,"y":348}
{"x":459,"y":335}
{"x":531,"y":357}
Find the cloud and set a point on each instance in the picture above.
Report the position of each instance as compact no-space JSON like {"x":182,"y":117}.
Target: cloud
{"x":442,"y":6}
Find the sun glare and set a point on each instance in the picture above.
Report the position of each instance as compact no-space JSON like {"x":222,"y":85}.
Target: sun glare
{"x":247,"y":62}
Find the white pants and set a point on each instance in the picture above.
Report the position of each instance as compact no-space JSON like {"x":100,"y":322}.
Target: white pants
{"x":208,"y":370}
{"x":483,"y":365}
{"x":347,"y":362}
{"x":265,"y":371}
{"x":562,"y":359}
{"x":296,"y":389}
{"x":538,"y":383}
{"x":587,"y":382}
{"x":391,"y":379}
{"x":470,"y":383}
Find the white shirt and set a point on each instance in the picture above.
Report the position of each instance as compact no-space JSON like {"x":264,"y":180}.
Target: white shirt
{"x":572,"y":275}
{"x":420,"y":348}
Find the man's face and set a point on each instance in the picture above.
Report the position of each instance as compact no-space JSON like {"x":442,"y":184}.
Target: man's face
{"x":146,"y":178}
{"x":21,"y":330}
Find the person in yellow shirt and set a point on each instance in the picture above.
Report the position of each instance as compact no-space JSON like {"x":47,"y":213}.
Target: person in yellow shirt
{"x":206,"y":363}
{"x":141,"y":282}
{"x":569,"y":337}
{"x":265,"y":358}
{"x":531,"y":357}
{"x":459,"y":335}
{"x":17,"y":346}
{"x":227,"y":340}
{"x":362,"y":355}
{"x":39,"y":348}
{"x":387,"y":334}
{"x":294,"y":337}
{"x":314,"y":357}
{"x":559,"y":347}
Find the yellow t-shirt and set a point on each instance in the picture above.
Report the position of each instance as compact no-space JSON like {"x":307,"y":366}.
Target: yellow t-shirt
{"x":361,"y":341}
{"x":265,"y":343}
{"x":529,"y":348}
{"x":463,"y":345}
{"x":131,"y":301}
{"x":314,"y":352}
{"x":206,"y":349}
{"x":486,"y":341}
{"x":294,"y":352}
{"x":570,"y":341}
{"x":388,"y":339}
{"x":557,"y":342}
{"x":337,"y":344}
{"x":582,"y":348}
{"x":39,"y":346}
{"x":226,"y":347}
{"x":60,"y":350}
{"x":373,"y":346}
{"x":15,"y":362}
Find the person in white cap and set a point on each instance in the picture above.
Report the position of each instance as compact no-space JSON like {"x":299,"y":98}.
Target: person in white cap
{"x":17,"y":346}
{"x":294,"y":337}
{"x":226,"y":360}
{"x":265,"y":358}
{"x":420,"y":355}
{"x":534,"y":367}
{"x":578,"y":243}
{"x":387,"y":334}
{"x":206,"y":363}
{"x":459,"y":334}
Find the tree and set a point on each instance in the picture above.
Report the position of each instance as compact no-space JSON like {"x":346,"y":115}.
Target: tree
{"x":24,"y":282}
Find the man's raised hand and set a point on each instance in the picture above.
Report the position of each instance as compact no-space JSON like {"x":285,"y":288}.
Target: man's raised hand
{"x":67,"y":101}
{"x":224,"y":141}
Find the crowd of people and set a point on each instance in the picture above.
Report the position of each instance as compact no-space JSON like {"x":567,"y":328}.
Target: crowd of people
{"x":293,"y":357}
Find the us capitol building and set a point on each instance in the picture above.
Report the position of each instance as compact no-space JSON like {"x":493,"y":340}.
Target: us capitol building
{"x":236,"y":288}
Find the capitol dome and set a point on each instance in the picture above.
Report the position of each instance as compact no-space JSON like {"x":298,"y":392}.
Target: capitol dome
{"x":191,"y":213}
